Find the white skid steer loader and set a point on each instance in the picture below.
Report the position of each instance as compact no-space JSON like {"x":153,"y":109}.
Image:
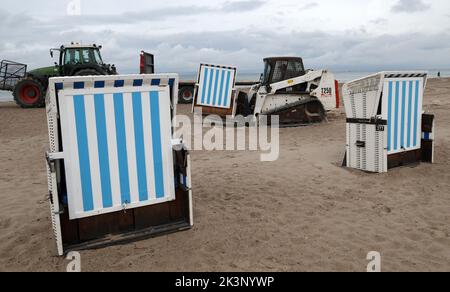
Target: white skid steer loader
{"x":286,"y":89}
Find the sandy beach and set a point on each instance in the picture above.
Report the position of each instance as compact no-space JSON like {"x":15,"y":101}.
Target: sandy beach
{"x":303,"y":212}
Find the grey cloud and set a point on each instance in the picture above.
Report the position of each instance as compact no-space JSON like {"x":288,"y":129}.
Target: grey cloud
{"x":379,"y":21}
{"x":141,"y":16}
{"x":339,"y":52}
{"x":28,"y":39}
{"x":241,"y":6}
{"x":163,"y":13}
{"x":309,"y":6}
{"x":410,"y":6}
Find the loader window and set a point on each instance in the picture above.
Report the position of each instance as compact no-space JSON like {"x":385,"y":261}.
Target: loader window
{"x":266,"y":77}
{"x":280,"y":71}
{"x":286,"y":70}
{"x":294,"y":69}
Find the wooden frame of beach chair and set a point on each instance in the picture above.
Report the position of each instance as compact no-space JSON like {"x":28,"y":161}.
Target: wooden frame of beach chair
{"x":115,"y":173}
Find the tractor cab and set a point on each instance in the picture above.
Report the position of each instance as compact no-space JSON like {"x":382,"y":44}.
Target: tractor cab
{"x":81,"y":60}
{"x":280,"y":69}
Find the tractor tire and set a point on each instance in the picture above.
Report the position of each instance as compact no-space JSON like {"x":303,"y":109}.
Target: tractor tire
{"x":29,"y":93}
{"x":87,"y":72}
{"x":186,"y":95}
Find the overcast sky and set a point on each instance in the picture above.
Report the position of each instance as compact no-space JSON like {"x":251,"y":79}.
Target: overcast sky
{"x":341,"y":35}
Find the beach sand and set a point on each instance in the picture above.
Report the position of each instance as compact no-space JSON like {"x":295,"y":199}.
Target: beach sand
{"x":301,"y":213}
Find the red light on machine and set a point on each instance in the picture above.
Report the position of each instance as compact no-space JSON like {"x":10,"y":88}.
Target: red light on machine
{"x":338,"y":96}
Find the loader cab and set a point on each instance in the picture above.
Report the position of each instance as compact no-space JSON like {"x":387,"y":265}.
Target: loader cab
{"x":280,"y":69}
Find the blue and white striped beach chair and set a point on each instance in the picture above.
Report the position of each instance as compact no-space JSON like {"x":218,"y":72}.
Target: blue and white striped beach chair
{"x":111,"y":141}
{"x":385,"y":121}
{"x":215,"y":89}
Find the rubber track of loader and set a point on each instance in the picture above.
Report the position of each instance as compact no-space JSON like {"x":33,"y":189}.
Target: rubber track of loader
{"x":293,"y":105}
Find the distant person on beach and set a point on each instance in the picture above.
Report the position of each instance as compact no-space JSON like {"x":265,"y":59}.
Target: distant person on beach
{"x":439,"y":74}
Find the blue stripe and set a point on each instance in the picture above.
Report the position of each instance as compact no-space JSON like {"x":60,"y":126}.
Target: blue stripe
{"x":140,"y":147}
{"x":216,"y":87}
{"x":409,"y":113}
{"x":211,"y":76}
{"x":83,"y":153}
{"x":122,"y":148}
{"x":103,"y":155}
{"x":205,"y":82}
{"x":157,"y":148}
{"x":222,"y":81}
{"x":416,"y":114}
{"x":227,"y":89}
{"x":389,"y":116}
{"x":402,"y":131}
{"x":184,"y":180}
{"x":397,"y":101}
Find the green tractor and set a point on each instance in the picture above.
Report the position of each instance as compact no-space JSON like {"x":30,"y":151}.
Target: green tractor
{"x":29,"y":88}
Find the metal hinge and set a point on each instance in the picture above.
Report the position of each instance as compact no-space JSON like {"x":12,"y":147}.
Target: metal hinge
{"x":58,"y":213}
{"x":51,"y":158}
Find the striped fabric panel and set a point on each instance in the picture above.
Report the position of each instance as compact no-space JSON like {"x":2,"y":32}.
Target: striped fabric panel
{"x":406,"y":75}
{"x":216,"y":86}
{"x":403,"y":111}
{"x":118,"y":148}
{"x":117,"y":84}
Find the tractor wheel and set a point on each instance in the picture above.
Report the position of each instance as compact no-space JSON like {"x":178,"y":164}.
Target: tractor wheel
{"x":87,"y":72}
{"x":29,"y":93}
{"x":186,"y":95}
